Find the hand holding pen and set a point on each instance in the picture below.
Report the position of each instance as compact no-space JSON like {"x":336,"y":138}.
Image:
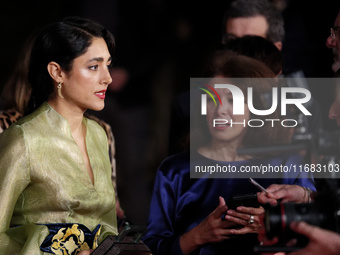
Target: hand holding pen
{"x":283,"y":192}
{"x":264,"y":196}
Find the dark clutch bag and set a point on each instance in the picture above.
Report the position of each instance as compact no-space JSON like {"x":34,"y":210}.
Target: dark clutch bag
{"x":126,"y":243}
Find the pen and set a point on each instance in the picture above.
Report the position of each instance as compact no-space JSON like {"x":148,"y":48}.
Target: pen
{"x":257,"y":185}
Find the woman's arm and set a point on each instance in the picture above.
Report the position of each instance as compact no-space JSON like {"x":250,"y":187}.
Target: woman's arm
{"x":211,"y":230}
{"x":161,"y":236}
{"x":14,"y":178}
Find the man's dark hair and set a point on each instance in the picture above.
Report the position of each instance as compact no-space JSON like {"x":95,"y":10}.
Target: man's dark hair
{"x":252,"y":8}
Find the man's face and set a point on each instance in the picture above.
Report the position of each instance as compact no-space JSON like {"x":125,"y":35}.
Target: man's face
{"x":333,"y":42}
{"x":239,"y":27}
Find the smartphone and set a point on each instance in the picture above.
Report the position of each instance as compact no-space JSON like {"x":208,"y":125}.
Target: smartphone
{"x":247,"y":200}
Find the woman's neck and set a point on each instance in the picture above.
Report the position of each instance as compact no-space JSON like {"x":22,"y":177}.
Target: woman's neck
{"x":73,"y":115}
{"x":222,"y":152}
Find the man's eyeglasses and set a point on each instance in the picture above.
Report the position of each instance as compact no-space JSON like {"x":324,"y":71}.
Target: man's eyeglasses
{"x":334,"y":32}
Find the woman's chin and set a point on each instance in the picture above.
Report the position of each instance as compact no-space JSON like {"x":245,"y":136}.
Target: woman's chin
{"x":97,"y":107}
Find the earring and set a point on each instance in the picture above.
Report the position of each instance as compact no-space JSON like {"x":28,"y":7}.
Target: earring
{"x":59,"y":90}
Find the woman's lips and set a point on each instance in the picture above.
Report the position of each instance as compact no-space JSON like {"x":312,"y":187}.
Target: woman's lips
{"x":100,"y":94}
{"x":222,"y":126}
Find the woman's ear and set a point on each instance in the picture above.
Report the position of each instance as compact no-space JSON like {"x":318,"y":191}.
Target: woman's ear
{"x":55,"y":71}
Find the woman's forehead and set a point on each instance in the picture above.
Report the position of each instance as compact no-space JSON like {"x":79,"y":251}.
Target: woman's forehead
{"x":223,"y":91}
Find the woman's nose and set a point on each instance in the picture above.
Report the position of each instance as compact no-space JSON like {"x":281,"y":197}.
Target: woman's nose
{"x":107,"y":79}
{"x":334,"y":111}
{"x":224,"y":109}
{"x":330,"y":42}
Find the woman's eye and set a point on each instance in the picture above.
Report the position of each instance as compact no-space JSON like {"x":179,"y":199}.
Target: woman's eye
{"x":95,"y":67}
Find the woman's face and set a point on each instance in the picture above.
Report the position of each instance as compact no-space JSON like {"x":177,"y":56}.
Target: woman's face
{"x":226,"y":132}
{"x":86,"y":84}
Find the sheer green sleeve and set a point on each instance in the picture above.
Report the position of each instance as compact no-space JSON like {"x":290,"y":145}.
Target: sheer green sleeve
{"x":14,"y":178}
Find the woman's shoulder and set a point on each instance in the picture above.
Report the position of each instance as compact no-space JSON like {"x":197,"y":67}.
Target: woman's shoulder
{"x":178,"y":158}
{"x":12,"y":140}
{"x":22,"y":127}
{"x":178,"y":163}
{"x":97,"y":134}
{"x":39,"y":120}
{"x":11,"y":122}
{"x":95,"y":122}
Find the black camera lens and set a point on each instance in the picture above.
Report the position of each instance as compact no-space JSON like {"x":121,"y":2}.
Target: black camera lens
{"x":323,"y":212}
{"x":278,"y":218}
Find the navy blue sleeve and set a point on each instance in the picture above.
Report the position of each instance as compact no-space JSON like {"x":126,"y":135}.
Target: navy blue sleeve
{"x":160,"y":236}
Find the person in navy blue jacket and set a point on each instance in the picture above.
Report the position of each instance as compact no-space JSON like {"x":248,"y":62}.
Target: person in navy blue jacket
{"x":192,"y":215}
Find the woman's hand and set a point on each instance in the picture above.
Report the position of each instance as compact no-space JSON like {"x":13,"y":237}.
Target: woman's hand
{"x":288,"y":193}
{"x":88,"y":252}
{"x":211,"y":230}
{"x":249,"y":217}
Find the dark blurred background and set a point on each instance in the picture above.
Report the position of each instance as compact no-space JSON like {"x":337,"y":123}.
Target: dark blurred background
{"x":160,"y":44}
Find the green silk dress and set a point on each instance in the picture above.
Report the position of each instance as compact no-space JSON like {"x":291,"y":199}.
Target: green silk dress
{"x":43,"y":180}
